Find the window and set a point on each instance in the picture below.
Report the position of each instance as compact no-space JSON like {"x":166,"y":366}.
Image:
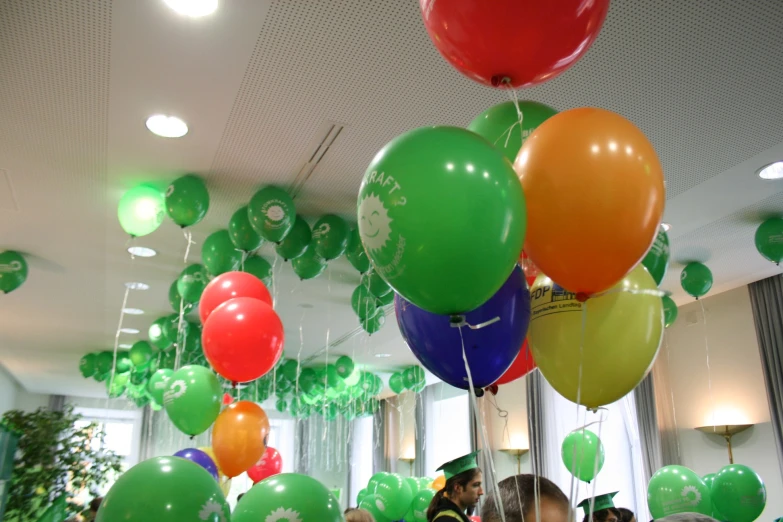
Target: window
{"x":362,"y":449}
{"x":447,"y":427}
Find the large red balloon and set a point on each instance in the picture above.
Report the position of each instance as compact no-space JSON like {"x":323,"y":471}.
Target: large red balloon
{"x":271,"y":463}
{"x":228,"y":286}
{"x":513,"y":43}
{"x":243,"y":339}
{"x":521,"y":366}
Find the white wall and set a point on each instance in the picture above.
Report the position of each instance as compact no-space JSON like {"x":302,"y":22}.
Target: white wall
{"x":730,"y":391}
{"x":509,"y":432}
{"x":9,"y":389}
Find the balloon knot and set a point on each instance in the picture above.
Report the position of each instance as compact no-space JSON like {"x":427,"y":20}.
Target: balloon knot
{"x":233,"y":385}
{"x":582,"y":297}
{"x":479,"y":392}
{"x":500,"y":80}
{"x":457,"y":321}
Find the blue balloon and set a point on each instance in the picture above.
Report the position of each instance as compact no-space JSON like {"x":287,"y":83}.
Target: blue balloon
{"x":200,"y":458}
{"x":490,"y":350}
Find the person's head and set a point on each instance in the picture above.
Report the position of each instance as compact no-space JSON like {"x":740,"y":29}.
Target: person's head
{"x":626,"y":515}
{"x":518,"y":496}
{"x":464,"y":489}
{"x":239,"y":497}
{"x":95,"y":504}
{"x":358,"y":515}
{"x":605,"y":515}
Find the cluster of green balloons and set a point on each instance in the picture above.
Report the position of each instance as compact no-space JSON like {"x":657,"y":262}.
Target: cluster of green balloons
{"x":389,"y":496}
{"x":13,"y":271}
{"x":368,"y":300}
{"x":769,"y":239}
{"x":411,"y":378}
{"x":583,"y":454}
{"x":735,"y":493}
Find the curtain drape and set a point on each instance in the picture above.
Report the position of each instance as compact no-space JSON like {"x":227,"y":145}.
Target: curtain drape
{"x":647,"y":424}
{"x":56,"y":402}
{"x":423,"y":402}
{"x":766,"y":299}
{"x":535,"y":416}
{"x":664,"y":409}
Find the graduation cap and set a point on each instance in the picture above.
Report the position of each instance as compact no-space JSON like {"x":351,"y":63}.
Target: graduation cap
{"x":601,"y":502}
{"x":458,"y":465}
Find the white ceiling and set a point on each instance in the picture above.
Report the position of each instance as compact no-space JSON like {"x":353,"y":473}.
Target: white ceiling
{"x":261,"y":82}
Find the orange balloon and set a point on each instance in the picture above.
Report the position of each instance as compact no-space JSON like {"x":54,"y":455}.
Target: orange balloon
{"x":439,"y":483}
{"x":238,"y":437}
{"x":595,"y":196}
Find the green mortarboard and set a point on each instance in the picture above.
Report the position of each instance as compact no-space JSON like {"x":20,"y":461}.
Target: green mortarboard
{"x":601,"y":502}
{"x":457,"y":466}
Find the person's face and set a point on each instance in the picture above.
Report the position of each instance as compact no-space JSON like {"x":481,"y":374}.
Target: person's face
{"x":611,"y":516}
{"x":550,"y":512}
{"x":469,"y":496}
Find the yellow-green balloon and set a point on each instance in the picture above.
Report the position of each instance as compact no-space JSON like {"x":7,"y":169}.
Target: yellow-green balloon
{"x":622,"y":333}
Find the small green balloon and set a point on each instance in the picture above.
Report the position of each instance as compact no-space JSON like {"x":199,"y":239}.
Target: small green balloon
{"x":375,"y":284}
{"x":500,"y":125}
{"x":272,"y":213}
{"x":290,"y":369}
{"x":295,"y":242}
{"x":413,"y":483}
{"x":344,"y":366}
{"x":738,"y":493}
{"x":393,"y":496}
{"x":139,"y":377}
{"x":396,"y":383}
{"x":421,"y":500}
{"x":13,"y":271}
{"x":696,"y":279}
{"x":158,"y":383}
{"x":355,"y":252}
{"x":157,"y":334}
{"x":657,"y":259}
{"x":165,"y":360}
{"x":370,"y":503}
{"x":669,"y":311}
{"x":330,"y":235}
{"x":259,"y":267}
{"x":583,"y":454}
{"x":363,"y":302}
{"x":141,"y":354}
{"x":359,"y":496}
{"x":219,"y":254}
{"x":769,"y":240}
{"x":288,"y":496}
{"x":100,"y":377}
{"x":413,"y":375}
{"x":104,"y":361}
{"x":192,"y":399}
{"x":281,"y":405}
{"x":165,"y":489}
{"x":87,"y":365}
{"x":309,"y":264}
{"x":373,"y":324}
{"x":175,"y":330}
{"x":385,"y":300}
{"x":192,"y":338}
{"x":709,"y":479}
{"x":141,"y":210}
{"x":116,"y":387}
{"x":677,"y":489}
{"x":192,"y":282}
{"x":187,"y":200}
{"x":243,"y":235}
{"x":123,"y":362}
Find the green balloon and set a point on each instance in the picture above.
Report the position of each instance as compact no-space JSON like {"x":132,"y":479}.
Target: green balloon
{"x":187,"y":200}
{"x":677,"y":489}
{"x":272,"y":213}
{"x":123,"y":362}
{"x":219,"y":254}
{"x":396,"y":383}
{"x":344,"y":366}
{"x":175,"y":299}
{"x":281,"y":405}
{"x":192,"y":282}
{"x":166,"y":360}
{"x":363,"y":302}
{"x":583,"y":454}
{"x":709,"y":479}
{"x":669,"y":311}
{"x":696,"y":279}
{"x":375,"y":284}
{"x":259,"y":267}
{"x":116,"y":387}
{"x":87,"y":365}
{"x":738,"y":493}
{"x":330,"y":236}
{"x":243,"y":235}
{"x":385,"y":300}
{"x":288,"y":496}
{"x":165,"y":489}
{"x":657,"y":259}
{"x":769,"y":240}
{"x":290,"y":369}
{"x":175,"y":331}
{"x":442,"y":216}
{"x":192,"y":338}
{"x":413,"y":375}
{"x":158,"y":383}
{"x":421,"y":501}
{"x":139,"y":377}
{"x":141,"y":354}
{"x":100,"y":377}
{"x":370,"y":504}
{"x":413,"y":483}
{"x":500,"y":125}
{"x":104,"y":361}
{"x":393,"y":496}
{"x":359,"y":496}
{"x":13,"y":271}
{"x":192,"y":399}
{"x":157,"y":334}
{"x":295,"y":242}
{"x":373,"y":324}
{"x":308,"y":265}
{"x":141,"y":210}
{"x":355,"y":252}
{"x":418,"y":387}
{"x":372,"y":485}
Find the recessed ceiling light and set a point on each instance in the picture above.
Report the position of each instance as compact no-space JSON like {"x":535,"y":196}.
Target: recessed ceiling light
{"x":382,"y":355}
{"x":134,"y":285}
{"x":140,"y":251}
{"x":771,"y":171}
{"x":129,"y":330}
{"x":167,"y":126}
{"x":193,"y":8}
{"x":126,"y":346}
{"x":666,"y":227}
{"x":133,"y":311}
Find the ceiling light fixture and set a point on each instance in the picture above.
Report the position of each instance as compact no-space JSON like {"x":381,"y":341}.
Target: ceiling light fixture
{"x":382,"y":355}
{"x":126,"y":346}
{"x":129,"y":330}
{"x":666,"y":227}
{"x":193,"y":8}
{"x":134,"y":285}
{"x":771,"y":171}
{"x":167,"y":126}
{"x":133,"y":311}
{"x":140,"y":251}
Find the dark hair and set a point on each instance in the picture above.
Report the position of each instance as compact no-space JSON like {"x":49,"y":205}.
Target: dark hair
{"x":460,"y":479}
{"x":626,"y":515}
{"x":239,"y":497}
{"x":95,"y":504}
{"x":602,"y":514}
{"x":518,"y":494}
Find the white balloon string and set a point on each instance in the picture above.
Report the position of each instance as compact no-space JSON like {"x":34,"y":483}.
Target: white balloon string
{"x":595,"y":467}
{"x":707,"y":350}
{"x":181,"y":338}
{"x":671,"y":393}
{"x":572,"y":492}
{"x":189,"y":240}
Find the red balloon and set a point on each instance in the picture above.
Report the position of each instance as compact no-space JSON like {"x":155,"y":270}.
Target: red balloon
{"x":513,"y":43}
{"x":243,"y":339}
{"x":475,"y":518}
{"x":529,"y":268}
{"x":228,"y":286}
{"x":521,"y":366}
{"x":271,"y":463}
